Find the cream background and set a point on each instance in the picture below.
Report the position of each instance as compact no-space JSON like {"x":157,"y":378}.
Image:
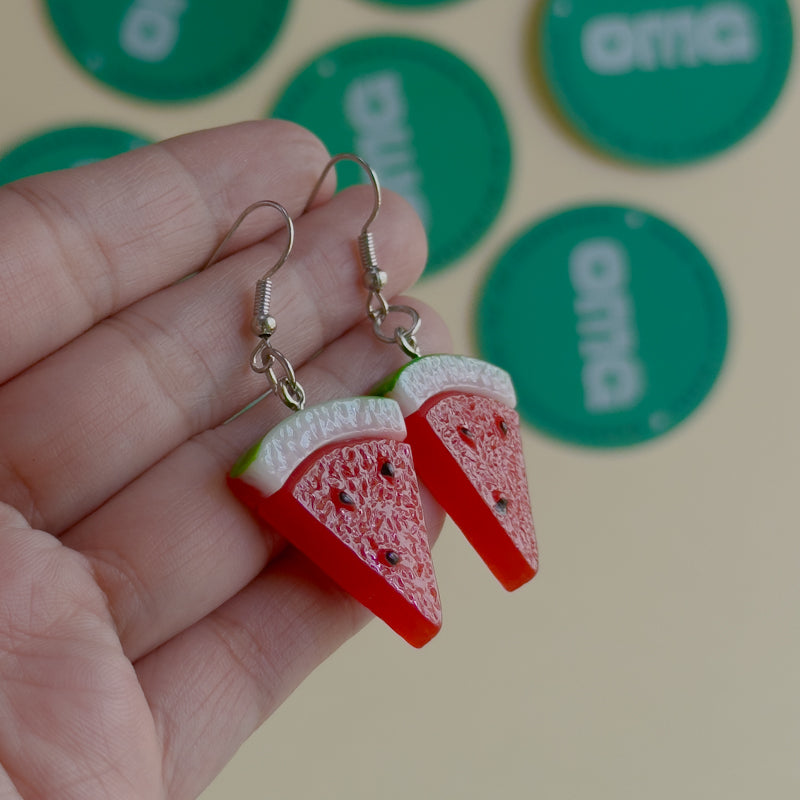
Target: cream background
{"x":657,"y":654}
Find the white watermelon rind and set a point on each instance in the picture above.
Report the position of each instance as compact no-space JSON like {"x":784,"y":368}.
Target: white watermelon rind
{"x":426,"y":377}
{"x":269,"y":463}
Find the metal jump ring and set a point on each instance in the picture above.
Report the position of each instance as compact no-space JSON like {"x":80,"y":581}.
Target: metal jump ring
{"x":280,"y":358}
{"x":263,"y":361}
{"x":262,"y":358}
{"x":407,"y":343}
{"x":377,"y":315}
{"x":292,"y":394}
{"x":410,"y":333}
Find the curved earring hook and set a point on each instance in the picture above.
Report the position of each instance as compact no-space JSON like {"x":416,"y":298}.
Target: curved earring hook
{"x":265,"y":357}
{"x":260,"y":204}
{"x":375,"y":279}
{"x":370,"y":174}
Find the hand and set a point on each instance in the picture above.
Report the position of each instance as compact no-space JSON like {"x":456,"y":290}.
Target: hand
{"x":147,"y":622}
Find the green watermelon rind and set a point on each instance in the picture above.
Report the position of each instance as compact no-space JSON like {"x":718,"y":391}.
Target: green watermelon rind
{"x":387,"y":384}
{"x":269,"y":463}
{"x":245,"y":460}
{"x":419,"y":380}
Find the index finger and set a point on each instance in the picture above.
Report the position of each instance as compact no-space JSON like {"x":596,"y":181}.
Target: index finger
{"x":78,"y":245}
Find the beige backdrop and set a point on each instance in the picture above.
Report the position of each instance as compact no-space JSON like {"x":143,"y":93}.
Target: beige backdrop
{"x":657,"y":654}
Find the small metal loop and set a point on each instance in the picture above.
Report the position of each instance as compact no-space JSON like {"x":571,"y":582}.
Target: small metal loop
{"x":262,"y":358}
{"x":271,"y":376}
{"x":407,"y":343}
{"x":416,"y":322}
{"x":409,"y":333}
{"x":263,"y":361}
{"x":292,"y":394}
{"x":281,"y":359}
{"x":370,"y":174}
{"x":240,"y":219}
{"x":379,"y":314}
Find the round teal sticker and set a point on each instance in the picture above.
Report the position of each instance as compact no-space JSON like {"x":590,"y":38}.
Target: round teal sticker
{"x":666,"y":81}
{"x":63,"y":148}
{"x":414,"y":3}
{"x":167,"y":50}
{"x":611,"y":323}
{"x":423,"y":119}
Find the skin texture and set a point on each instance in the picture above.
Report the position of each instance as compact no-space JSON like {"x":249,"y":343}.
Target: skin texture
{"x":148,"y":623}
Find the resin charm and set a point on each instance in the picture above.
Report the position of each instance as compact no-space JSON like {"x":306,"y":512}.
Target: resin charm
{"x":337,"y":481}
{"x":467,"y":446}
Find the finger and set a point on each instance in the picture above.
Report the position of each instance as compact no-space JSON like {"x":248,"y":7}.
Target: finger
{"x":80,"y":244}
{"x":176,"y":543}
{"x":113,"y":402}
{"x":212,"y":686}
{"x":8,"y":791}
{"x":74,"y":721}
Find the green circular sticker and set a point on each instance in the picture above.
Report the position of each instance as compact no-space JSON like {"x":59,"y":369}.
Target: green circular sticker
{"x":666,"y":81}
{"x":414,"y":3}
{"x":611,"y":323}
{"x":423,"y":119}
{"x":63,"y":148}
{"x":167,"y":50}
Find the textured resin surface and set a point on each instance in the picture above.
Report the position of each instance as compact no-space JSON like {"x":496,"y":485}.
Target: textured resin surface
{"x":367,"y":494}
{"x":283,"y":449}
{"x":468,"y":451}
{"x":353,"y":507}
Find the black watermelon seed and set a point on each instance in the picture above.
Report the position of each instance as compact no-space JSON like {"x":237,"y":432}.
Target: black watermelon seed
{"x":345,"y":499}
{"x":387,"y":469}
{"x":467,"y":435}
{"x":392,"y":557}
{"x":501,"y":423}
{"x":501,"y":506}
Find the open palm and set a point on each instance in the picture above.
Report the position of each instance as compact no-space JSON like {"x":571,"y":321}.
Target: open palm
{"x":147,"y":622}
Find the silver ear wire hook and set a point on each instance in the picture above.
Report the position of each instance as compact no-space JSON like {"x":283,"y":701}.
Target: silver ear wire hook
{"x":263,"y":324}
{"x":370,"y":174}
{"x":264,"y":358}
{"x":241,"y":218}
{"x":375,"y":279}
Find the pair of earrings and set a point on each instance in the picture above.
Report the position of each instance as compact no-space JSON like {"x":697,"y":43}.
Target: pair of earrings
{"x":339,"y":480}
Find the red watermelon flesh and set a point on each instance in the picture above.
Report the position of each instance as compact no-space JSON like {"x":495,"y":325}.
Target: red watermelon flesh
{"x":353,"y":508}
{"x":468,"y":452}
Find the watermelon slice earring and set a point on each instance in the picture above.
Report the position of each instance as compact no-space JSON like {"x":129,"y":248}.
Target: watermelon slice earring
{"x":462,"y":427}
{"x":337,"y":481}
